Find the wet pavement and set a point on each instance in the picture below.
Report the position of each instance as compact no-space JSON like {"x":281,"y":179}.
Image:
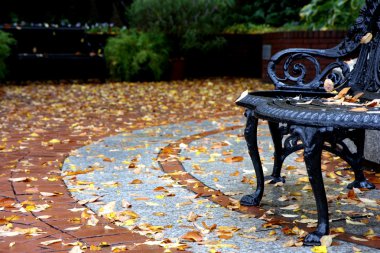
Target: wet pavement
{"x":121,"y":167}
{"x":126,"y":169}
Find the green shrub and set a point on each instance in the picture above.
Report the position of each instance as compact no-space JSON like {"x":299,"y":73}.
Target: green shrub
{"x":269,"y":12}
{"x":6,"y":41}
{"x":250,"y":28}
{"x":136,"y":55}
{"x":331,"y":14}
{"x":189,"y":24}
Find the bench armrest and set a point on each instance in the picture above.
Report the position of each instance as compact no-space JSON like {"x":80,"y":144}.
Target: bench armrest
{"x":300,"y":64}
{"x":297,"y":62}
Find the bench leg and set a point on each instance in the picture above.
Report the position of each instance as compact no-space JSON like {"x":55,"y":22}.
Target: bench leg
{"x":278,"y":153}
{"x":312,"y":139}
{"x":250,"y":134}
{"x":360,"y":180}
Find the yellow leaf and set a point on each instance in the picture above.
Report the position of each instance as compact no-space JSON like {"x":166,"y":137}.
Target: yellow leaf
{"x":129,"y":222}
{"x":331,"y":175}
{"x":319,"y":249}
{"x":338,"y":230}
{"x":370,"y":232}
{"x":303,"y":180}
{"x":95,"y":248}
{"x":54,"y":141}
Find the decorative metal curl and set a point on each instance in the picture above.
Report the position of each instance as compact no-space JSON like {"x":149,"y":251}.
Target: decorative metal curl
{"x":295,"y":73}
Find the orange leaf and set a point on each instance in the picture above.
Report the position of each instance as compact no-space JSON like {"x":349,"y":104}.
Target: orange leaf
{"x":233,"y":159}
{"x":193,"y":236}
{"x":235,"y":174}
{"x":359,"y":109}
{"x":6,"y":202}
{"x":342,"y":93}
{"x":351,"y":195}
{"x":136,"y":181}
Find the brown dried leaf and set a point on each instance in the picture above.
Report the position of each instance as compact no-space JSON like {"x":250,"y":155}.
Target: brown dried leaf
{"x":233,"y":159}
{"x":366,"y":38}
{"x":192,"y":236}
{"x":291,"y":207}
{"x":342,"y":93}
{"x":46,"y":243}
{"x":267,"y":239}
{"x":359,"y":109}
{"x":136,"y":181}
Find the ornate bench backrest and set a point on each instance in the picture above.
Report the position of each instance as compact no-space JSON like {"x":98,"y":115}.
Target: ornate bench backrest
{"x":362,"y":41}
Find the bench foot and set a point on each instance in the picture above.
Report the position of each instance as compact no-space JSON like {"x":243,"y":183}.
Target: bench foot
{"x":361,"y":184}
{"x":274,"y":179}
{"x":250,"y":200}
{"x":250,"y":134}
{"x":313,"y":239}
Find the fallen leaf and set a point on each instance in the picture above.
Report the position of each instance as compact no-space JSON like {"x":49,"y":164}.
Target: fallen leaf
{"x":76,"y":249}
{"x":48,"y":194}
{"x":46,"y":243}
{"x":91,"y":200}
{"x":72,"y":228}
{"x":359,"y":109}
{"x":136,"y":181}
{"x":193,"y":236}
{"x":125,"y":204}
{"x":358,"y":239}
{"x":107,"y":209}
{"x":319,"y":249}
{"x":191,"y":217}
{"x":369,"y":233}
{"x":233,"y":159}
{"x":337,"y":230}
{"x":92,"y":221}
{"x":351,"y":222}
{"x":326,"y":240}
{"x":266,"y":239}
{"x":366,"y":38}
{"x":291,"y":207}
{"x":290,"y":215}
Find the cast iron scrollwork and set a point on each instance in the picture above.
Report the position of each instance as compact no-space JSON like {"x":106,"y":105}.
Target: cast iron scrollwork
{"x":295,"y":75}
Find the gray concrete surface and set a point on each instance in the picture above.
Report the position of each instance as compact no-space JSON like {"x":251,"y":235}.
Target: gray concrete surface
{"x":143,"y":147}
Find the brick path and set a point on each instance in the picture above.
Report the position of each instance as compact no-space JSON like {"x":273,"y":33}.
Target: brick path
{"x":35,"y":116}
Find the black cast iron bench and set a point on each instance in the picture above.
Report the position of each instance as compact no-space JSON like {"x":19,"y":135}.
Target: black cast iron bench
{"x":302,"y":115}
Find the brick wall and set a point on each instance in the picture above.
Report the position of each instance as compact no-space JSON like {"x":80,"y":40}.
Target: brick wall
{"x":283,"y":40}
